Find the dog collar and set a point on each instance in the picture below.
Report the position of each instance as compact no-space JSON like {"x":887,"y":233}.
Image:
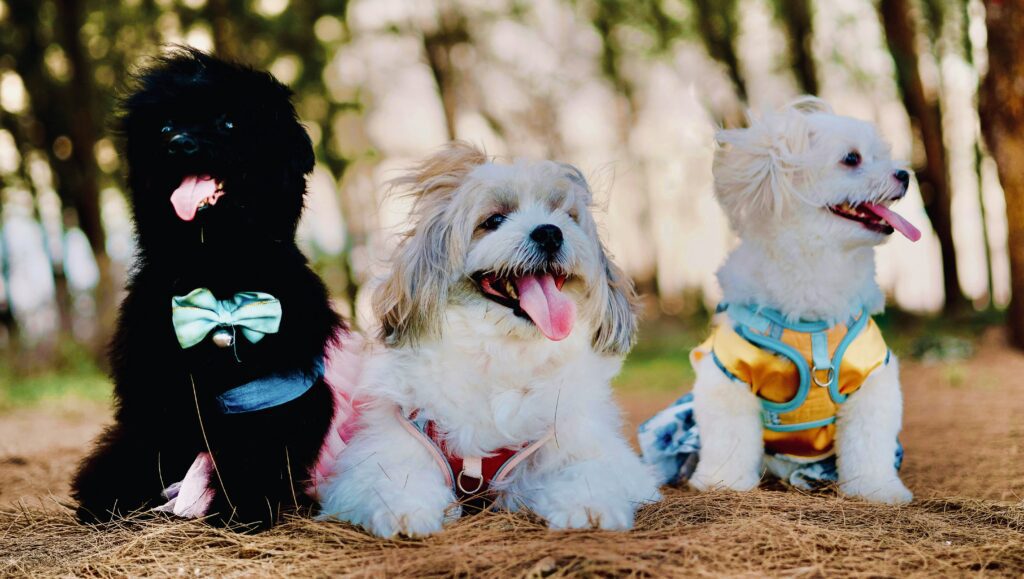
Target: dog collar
{"x":475,"y":474}
{"x":270,"y":391}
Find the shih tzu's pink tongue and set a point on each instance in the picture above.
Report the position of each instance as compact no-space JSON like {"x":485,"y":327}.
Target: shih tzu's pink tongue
{"x":551,"y":310}
{"x":895,"y":220}
{"x":193,"y":190}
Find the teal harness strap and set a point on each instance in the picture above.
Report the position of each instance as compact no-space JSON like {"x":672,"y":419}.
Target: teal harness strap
{"x":761,"y":327}
{"x":852,"y":332}
{"x":789,"y":352}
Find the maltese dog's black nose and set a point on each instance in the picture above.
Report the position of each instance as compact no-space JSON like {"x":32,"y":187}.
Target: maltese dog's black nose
{"x":182,"y":143}
{"x":903,"y":177}
{"x":548,"y":237}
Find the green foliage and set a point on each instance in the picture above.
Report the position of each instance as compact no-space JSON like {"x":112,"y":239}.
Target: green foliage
{"x":73,"y":378}
{"x":660,"y":361}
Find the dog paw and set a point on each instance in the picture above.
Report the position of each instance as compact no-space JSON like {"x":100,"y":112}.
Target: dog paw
{"x":888,"y":491}
{"x":416,"y":523}
{"x":723,"y":479}
{"x":592,"y":516}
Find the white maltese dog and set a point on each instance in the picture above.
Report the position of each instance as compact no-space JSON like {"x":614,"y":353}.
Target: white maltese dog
{"x":503,"y":322}
{"x":796,"y":377}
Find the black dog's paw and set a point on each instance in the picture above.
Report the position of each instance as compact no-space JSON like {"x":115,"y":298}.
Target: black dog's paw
{"x":88,"y":517}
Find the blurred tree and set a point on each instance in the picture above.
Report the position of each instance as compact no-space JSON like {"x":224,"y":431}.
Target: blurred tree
{"x":451,"y":31}
{"x":926,"y":118}
{"x":80,"y":176}
{"x":968,"y":49}
{"x":50,"y":128}
{"x":610,"y":18}
{"x":222,"y":15}
{"x":797,"y":19}
{"x":1002,"y":114}
{"x":10,"y":339}
{"x":717,"y":26}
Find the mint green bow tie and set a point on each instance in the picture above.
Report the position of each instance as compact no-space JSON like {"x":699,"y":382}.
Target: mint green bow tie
{"x":198,"y":313}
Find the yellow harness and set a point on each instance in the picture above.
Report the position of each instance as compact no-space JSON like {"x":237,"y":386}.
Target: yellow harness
{"x":802,"y":371}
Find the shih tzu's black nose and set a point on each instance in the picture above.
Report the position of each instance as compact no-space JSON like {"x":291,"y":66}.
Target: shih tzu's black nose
{"x":903,"y":177}
{"x":183,"y":144}
{"x":548,"y":237}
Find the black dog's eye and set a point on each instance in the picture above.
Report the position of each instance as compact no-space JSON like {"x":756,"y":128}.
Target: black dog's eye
{"x":168,"y":127}
{"x":852,"y":159}
{"x":493,"y":222}
{"x":225,"y":124}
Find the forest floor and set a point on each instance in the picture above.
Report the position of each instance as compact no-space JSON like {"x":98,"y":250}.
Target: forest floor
{"x":964,"y":440}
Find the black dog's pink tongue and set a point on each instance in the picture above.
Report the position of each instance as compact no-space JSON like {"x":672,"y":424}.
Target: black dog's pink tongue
{"x":553,"y":312}
{"x":192,"y":192}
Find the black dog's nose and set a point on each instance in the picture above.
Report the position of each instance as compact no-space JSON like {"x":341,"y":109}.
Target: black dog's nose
{"x":903,"y":177}
{"x":182,"y":143}
{"x":548,"y":237}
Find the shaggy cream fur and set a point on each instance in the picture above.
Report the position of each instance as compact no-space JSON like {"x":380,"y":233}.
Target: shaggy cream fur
{"x":485,"y":375}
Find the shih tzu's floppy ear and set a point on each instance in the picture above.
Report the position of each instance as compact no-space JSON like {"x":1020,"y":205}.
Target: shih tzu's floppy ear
{"x":759,"y":168}
{"x":411,"y":300}
{"x":616,"y":333}
{"x":615,"y":297}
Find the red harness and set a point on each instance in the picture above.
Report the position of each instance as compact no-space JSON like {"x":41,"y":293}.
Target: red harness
{"x":468,"y":475}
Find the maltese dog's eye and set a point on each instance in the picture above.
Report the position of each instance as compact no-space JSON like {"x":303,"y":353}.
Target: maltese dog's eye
{"x":168,"y":127}
{"x":493,"y":222}
{"x":852,"y":159}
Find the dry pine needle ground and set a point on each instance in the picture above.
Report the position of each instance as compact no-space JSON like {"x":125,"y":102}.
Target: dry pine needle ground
{"x":770,"y":531}
{"x":964,"y":437}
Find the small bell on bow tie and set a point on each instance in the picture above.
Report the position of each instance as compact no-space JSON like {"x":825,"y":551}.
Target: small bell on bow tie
{"x":253,"y":314}
{"x":223,"y":338}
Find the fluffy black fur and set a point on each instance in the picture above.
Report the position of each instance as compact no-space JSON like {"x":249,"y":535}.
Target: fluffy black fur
{"x":248,"y":137}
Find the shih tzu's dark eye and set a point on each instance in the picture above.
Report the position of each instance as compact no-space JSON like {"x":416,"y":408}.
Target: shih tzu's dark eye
{"x":493,"y":222}
{"x":168,"y":127}
{"x":852,"y":159}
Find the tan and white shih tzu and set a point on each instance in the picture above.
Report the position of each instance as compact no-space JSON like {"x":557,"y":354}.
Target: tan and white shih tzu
{"x":503,"y":322}
{"x":796,"y":378}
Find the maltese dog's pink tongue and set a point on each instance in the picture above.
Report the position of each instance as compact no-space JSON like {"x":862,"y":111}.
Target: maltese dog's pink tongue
{"x":551,"y":310}
{"x":895,"y":220}
{"x":193,"y":190}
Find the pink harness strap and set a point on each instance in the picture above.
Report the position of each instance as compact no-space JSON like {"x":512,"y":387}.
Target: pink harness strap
{"x":470,"y":467}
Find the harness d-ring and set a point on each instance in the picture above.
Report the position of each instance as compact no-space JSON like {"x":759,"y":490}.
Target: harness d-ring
{"x":479,"y":483}
{"x":831,"y":373}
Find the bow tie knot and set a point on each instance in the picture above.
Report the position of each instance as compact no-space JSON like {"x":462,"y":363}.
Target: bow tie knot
{"x":197,"y":314}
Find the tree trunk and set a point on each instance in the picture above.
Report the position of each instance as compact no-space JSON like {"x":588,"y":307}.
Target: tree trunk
{"x":9,"y":340}
{"x":716,"y":25}
{"x":926,"y":118}
{"x":798,"y":20}
{"x":80,"y":175}
{"x":1002,"y":114}
{"x":50,"y":120}
{"x":225,"y":41}
{"x":437,"y":46}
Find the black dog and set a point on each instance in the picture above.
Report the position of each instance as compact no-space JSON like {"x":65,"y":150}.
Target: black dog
{"x":217,"y":163}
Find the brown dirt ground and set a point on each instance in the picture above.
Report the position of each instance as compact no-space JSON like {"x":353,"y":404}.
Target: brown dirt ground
{"x":964,"y":439}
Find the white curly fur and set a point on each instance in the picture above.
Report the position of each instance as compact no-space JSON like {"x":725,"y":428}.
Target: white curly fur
{"x":775,"y":180}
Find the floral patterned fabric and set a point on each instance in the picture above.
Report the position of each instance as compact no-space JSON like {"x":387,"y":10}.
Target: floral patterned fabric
{"x":670,"y":442}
